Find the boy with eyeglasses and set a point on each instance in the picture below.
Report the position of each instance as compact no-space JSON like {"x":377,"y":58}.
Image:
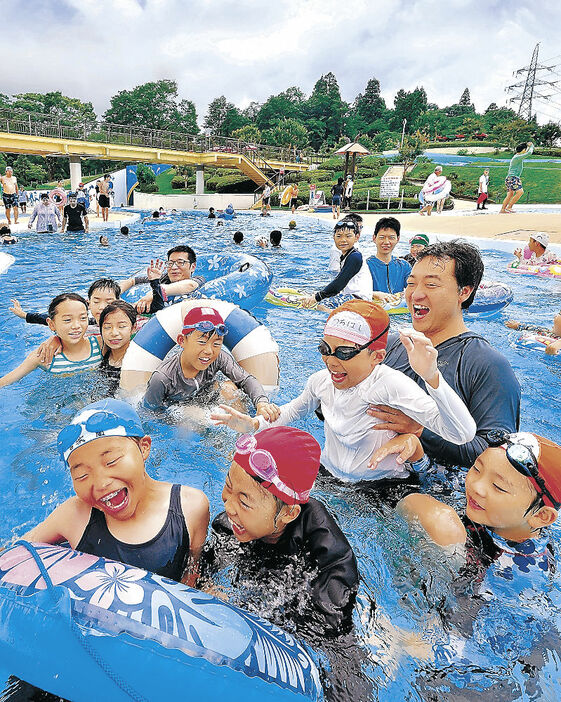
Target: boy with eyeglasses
{"x":182,"y":376}
{"x":389,"y":273}
{"x":178,"y":281}
{"x":353,"y":280}
{"x":353,"y":348}
{"x":513,"y":492}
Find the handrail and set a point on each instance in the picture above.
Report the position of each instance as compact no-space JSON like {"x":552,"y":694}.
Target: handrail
{"x":26,"y":122}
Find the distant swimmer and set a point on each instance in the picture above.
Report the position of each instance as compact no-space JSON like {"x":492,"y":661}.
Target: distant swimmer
{"x":103,"y":198}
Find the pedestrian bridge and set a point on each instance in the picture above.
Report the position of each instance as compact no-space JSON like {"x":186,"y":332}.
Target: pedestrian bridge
{"x":29,"y":133}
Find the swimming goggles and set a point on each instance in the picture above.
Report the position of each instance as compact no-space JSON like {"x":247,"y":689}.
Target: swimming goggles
{"x":345,"y":224}
{"x":206,"y":327}
{"x":345,"y":353}
{"x":522,"y":459}
{"x":264,"y":466}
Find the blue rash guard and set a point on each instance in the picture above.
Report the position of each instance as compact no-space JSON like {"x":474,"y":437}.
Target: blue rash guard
{"x":389,"y":277}
{"x":484,"y":380}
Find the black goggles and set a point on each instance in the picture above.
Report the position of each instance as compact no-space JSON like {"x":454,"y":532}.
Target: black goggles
{"x":345,"y":353}
{"x":522,"y":459}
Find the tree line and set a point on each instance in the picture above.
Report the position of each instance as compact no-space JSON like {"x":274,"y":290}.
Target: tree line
{"x":320,"y":122}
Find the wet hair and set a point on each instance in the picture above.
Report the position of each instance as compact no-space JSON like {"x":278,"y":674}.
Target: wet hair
{"x":106,"y":175}
{"x":388,"y":223}
{"x":468,"y":264}
{"x":211,"y":209}
{"x":44,"y":196}
{"x":55,"y":302}
{"x":339,"y":181}
{"x":127,"y":308}
{"x":238,"y":237}
{"x":124,"y":230}
{"x":105,"y":284}
{"x":520,"y":147}
{"x":354,"y":217}
{"x":183,"y":248}
{"x":5,"y":230}
{"x":155,"y":214}
{"x":275,"y":237}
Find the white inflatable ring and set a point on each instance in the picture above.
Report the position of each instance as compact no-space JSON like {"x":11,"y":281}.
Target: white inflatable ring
{"x":249,"y":342}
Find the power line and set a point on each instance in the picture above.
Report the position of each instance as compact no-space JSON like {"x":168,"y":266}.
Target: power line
{"x":536,"y":75}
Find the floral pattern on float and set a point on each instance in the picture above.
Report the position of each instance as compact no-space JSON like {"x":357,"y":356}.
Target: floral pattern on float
{"x":112,"y":598}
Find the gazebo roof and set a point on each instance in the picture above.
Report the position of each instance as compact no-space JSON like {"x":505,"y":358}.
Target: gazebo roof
{"x":353,"y":148}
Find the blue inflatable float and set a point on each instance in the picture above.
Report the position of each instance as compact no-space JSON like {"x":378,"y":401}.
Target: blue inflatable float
{"x":238,"y":278}
{"x":491,"y":297}
{"x":91,"y":629}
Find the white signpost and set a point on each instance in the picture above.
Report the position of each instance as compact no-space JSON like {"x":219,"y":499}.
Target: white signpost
{"x":389,"y":184}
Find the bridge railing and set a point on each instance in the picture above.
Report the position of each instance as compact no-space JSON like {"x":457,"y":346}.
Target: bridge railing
{"x":35,"y":124}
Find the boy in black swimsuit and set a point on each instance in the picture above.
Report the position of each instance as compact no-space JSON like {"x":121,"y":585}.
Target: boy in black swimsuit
{"x":75,"y":218}
{"x":118,"y":510}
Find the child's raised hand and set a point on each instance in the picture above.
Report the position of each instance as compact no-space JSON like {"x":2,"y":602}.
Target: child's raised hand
{"x":422,"y":355}
{"x":512,"y":324}
{"x":518,"y":253}
{"x":156,"y":269}
{"x":268,"y":410}
{"x":230,"y":417}
{"x":406,"y":445}
{"x":48,"y":350}
{"x":17,"y":309}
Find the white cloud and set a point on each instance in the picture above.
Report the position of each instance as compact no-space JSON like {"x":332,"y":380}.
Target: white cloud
{"x":248,"y":50}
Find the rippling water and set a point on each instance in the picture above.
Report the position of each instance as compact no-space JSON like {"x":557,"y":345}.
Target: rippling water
{"x":415,"y":639}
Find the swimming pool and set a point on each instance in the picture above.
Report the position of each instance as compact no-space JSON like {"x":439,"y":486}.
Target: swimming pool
{"x":510,"y":653}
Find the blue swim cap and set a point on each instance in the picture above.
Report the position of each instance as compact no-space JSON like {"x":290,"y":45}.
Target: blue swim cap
{"x":107,"y":417}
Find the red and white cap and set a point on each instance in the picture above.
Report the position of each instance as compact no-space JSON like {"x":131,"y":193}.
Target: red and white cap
{"x":358,"y":321}
{"x":201,"y":314}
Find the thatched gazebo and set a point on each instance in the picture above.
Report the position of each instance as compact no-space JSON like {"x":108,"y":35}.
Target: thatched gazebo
{"x":353,"y":148}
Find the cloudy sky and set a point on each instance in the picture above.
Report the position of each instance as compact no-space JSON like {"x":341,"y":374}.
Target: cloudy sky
{"x":249,"y":49}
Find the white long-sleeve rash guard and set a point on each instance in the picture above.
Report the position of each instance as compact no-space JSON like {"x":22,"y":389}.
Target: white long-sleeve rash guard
{"x":350,"y":438}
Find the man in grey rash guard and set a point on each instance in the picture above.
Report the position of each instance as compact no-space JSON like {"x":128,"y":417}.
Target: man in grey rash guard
{"x":442,"y":283}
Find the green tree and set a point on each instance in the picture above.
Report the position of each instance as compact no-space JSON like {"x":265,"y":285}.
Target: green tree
{"x":154,"y":105}
{"x":286,"y":105}
{"x":325,"y":107}
{"x":548,"y":134}
{"x":287,"y":132}
{"x":145,"y":176}
{"x":492,"y":118}
{"x":55,"y":107}
{"x":413,"y":146}
{"x":465,"y":99}
{"x":223,"y":117}
{"x":409,"y":105}
{"x":251,"y":111}
{"x":514,"y":131}
{"x":472,"y":125}
{"x":250,"y":133}
{"x":370,"y":105}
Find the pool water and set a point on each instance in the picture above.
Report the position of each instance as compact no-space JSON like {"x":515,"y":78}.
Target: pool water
{"x":507,"y":649}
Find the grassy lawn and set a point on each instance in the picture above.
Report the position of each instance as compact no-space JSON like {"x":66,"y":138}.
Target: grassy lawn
{"x":542,"y":181}
{"x":66,"y":181}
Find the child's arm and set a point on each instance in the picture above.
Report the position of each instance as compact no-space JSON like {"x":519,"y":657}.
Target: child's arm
{"x":197,"y":516}
{"x":442,"y":411}
{"x":65,"y":523}
{"x":30,"y":317}
{"x":30,"y":364}
{"x":553,"y":348}
{"x":407,"y":446}
{"x":249,"y":384}
{"x":351,"y":267}
{"x":304,"y":404}
{"x":441,"y":522}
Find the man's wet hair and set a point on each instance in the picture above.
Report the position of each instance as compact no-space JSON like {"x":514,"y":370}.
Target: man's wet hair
{"x":521,"y":147}
{"x":124,"y":229}
{"x":388,"y":223}
{"x":183,"y":248}
{"x":155,"y":214}
{"x":468,"y":264}
{"x":238,"y":237}
{"x":105,"y":284}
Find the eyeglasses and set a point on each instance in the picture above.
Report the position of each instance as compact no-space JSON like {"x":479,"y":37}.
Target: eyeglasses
{"x":264,"y":466}
{"x":345,"y":353}
{"x":180,"y":262}
{"x":206,"y":326}
{"x":521,"y":457}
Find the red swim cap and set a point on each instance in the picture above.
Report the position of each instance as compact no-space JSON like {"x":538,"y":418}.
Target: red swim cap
{"x":295,"y":460}
{"x":375,"y":315}
{"x":196,"y":315}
